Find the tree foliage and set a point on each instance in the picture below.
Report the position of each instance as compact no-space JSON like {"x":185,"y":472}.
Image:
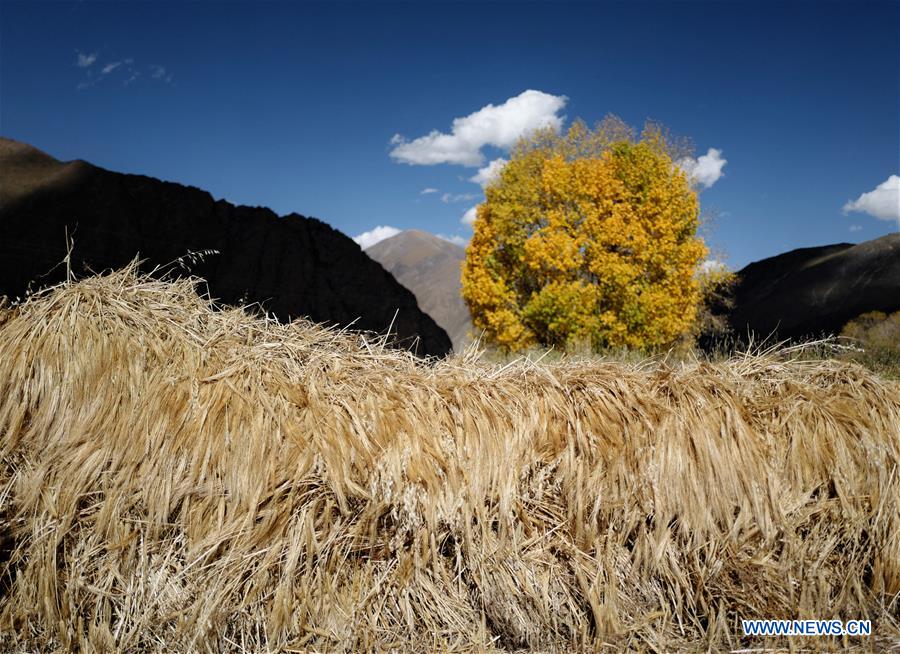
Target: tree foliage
{"x":587,"y":237}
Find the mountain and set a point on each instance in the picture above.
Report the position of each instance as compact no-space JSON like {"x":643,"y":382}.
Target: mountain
{"x":293,"y":266}
{"x":430,"y":267}
{"x":813,"y":291}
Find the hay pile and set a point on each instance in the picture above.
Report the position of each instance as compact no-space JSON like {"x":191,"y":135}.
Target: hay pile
{"x":179,"y":479}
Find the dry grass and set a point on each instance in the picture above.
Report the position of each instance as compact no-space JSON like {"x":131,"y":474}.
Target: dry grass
{"x":179,"y":479}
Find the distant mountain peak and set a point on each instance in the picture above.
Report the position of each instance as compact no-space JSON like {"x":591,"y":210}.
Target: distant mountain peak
{"x":409,"y":236}
{"x":430,"y":267}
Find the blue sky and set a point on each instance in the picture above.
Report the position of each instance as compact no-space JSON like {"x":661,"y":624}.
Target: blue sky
{"x":294,"y":105}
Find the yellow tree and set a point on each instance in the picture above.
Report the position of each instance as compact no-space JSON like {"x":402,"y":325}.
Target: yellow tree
{"x":587,"y":237}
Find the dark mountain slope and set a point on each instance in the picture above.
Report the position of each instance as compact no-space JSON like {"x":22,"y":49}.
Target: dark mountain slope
{"x":294,"y":266}
{"x":814,"y":291}
{"x":430,"y":267}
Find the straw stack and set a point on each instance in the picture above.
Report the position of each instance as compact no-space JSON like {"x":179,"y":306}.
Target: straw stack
{"x":177,"y":478}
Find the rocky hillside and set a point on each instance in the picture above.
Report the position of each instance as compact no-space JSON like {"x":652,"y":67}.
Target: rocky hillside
{"x":293,"y":266}
{"x":430,"y":267}
{"x":814,"y":291}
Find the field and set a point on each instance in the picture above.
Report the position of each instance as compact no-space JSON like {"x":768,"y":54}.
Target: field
{"x":175,"y":478}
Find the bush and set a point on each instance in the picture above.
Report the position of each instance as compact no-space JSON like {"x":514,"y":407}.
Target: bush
{"x":878,"y":336}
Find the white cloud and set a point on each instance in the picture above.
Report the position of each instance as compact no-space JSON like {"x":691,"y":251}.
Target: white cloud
{"x":882,"y":203}
{"x":455,"y":239}
{"x":448,"y":198}
{"x":373,"y":236}
{"x":427,"y":191}
{"x":855,"y":228}
{"x":706,"y":169}
{"x":499,"y":126}
{"x":710,"y":265}
{"x":489,"y":173}
{"x":125,"y":67}
{"x":86,"y":60}
{"x":469,"y":216}
{"x":110,"y":67}
{"x":159,"y":72}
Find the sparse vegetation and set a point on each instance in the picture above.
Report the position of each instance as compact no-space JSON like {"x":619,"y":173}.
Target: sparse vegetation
{"x":877,"y":336}
{"x":180,"y":479}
